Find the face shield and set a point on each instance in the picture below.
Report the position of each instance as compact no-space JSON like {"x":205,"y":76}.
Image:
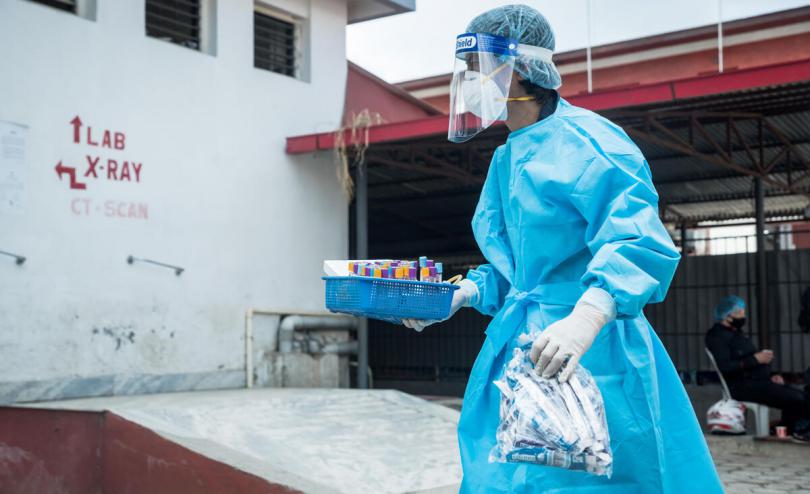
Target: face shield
{"x":482,"y":76}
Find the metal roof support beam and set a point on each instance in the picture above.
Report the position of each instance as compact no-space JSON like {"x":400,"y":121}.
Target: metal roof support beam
{"x":446,"y":171}
{"x":774,"y":217}
{"x":743,"y":142}
{"x":664,"y":208}
{"x":690,"y":151}
{"x":693,"y":120}
{"x":801,"y":178}
{"x":652,"y":130}
{"x":443,"y":165}
{"x":651,"y":122}
{"x":388,"y":183}
{"x":773,"y":161}
{"x":791,"y":147}
{"x":766,"y":146}
{"x":761,"y":168}
{"x":783,"y":138}
{"x":361,"y":246}
{"x":407,"y":185}
{"x":472,"y":192}
{"x":729,"y":142}
{"x":789,"y":168}
{"x":479,"y":143}
{"x":700,"y":128}
{"x":729,"y":196}
{"x":683,"y":114}
{"x":718,"y":175}
{"x":762,"y":282}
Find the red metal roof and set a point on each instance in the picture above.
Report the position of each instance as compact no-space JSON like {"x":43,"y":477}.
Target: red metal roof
{"x":693,"y":87}
{"x":749,"y":24}
{"x":561,"y":59}
{"x":366,"y":91}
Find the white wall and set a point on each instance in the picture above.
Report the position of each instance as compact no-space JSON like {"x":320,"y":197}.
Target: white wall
{"x":248,"y":223}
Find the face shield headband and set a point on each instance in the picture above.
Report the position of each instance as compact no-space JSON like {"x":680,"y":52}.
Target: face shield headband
{"x":482,"y":76}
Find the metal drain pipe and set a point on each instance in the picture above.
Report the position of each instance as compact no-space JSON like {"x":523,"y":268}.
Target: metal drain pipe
{"x":288,"y":326}
{"x":291,"y":324}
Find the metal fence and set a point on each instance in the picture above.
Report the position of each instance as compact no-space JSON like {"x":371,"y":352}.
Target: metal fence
{"x":444,"y":352}
{"x":682,"y":320}
{"x":716,"y":267}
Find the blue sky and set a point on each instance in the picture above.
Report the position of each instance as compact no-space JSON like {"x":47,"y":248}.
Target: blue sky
{"x":420,"y":44}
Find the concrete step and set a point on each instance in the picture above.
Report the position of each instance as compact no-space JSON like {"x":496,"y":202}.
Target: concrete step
{"x":324,"y":441}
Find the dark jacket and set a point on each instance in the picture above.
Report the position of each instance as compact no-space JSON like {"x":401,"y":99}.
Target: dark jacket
{"x":734,"y":353}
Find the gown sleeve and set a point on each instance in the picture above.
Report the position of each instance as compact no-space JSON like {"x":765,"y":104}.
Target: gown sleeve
{"x":634,"y":258}
{"x":489,"y":229}
{"x":492,"y":289}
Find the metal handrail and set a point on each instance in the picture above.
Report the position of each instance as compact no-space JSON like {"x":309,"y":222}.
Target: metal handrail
{"x":17,"y":258}
{"x":177,"y":269}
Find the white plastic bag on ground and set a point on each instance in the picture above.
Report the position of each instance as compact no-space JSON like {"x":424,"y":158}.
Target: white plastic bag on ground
{"x":550,"y":423}
{"x":727,"y":416}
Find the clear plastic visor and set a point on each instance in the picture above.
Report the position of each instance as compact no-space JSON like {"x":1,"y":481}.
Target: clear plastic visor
{"x":478,"y":92}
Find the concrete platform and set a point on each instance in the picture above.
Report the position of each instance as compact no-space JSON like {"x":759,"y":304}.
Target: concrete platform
{"x":312,"y":441}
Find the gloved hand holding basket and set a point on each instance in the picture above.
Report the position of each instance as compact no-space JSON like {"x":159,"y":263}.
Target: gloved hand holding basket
{"x":389,"y":290}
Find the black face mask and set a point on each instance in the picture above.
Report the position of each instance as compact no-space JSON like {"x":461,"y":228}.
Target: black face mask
{"x":738,"y":322}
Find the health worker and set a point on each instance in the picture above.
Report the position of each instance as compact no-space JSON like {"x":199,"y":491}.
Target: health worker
{"x":568,"y":221}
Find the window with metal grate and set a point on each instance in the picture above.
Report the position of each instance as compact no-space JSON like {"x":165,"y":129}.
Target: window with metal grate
{"x":176,"y":21}
{"x":275,"y":44}
{"x":66,"y":5}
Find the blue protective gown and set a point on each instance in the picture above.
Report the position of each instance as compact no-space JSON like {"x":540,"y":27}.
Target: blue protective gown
{"x":568,"y":204}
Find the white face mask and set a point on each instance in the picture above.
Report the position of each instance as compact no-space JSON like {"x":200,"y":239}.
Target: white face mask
{"x":483,"y":97}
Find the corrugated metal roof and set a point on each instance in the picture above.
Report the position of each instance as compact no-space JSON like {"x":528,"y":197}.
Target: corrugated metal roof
{"x":691,"y":189}
{"x":792,"y":205}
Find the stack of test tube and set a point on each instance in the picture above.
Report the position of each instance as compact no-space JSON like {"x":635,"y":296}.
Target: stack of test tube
{"x":429,"y":270}
{"x":423,"y":270}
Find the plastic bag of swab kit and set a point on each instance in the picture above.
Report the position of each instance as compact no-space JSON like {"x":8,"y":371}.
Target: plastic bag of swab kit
{"x":546,"y":422}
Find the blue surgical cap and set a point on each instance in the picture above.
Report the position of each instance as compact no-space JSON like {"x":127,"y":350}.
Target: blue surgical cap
{"x":728,"y":305}
{"x":529,"y":27}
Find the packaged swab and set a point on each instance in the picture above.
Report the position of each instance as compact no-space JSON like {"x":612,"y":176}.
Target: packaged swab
{"x":545,"y":422}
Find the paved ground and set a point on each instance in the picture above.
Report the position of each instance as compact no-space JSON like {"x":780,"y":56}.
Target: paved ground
{"x":745,"y":466}
{"x":748,"y":466}
{"x":743,"y":474}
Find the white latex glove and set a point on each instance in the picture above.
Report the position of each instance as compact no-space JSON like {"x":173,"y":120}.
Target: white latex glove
{"x":569,"y":338}
{"x":465,"y":296}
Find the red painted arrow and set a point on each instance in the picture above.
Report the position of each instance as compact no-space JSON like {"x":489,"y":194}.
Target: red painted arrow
{"x":77,"y":124}
{"x":72,"y":172}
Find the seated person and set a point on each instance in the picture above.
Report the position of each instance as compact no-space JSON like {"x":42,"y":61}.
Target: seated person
{"x":748,"y":372}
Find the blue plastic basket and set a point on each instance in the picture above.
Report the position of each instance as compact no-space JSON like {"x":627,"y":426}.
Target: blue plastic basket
{"x":388,"y":300}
